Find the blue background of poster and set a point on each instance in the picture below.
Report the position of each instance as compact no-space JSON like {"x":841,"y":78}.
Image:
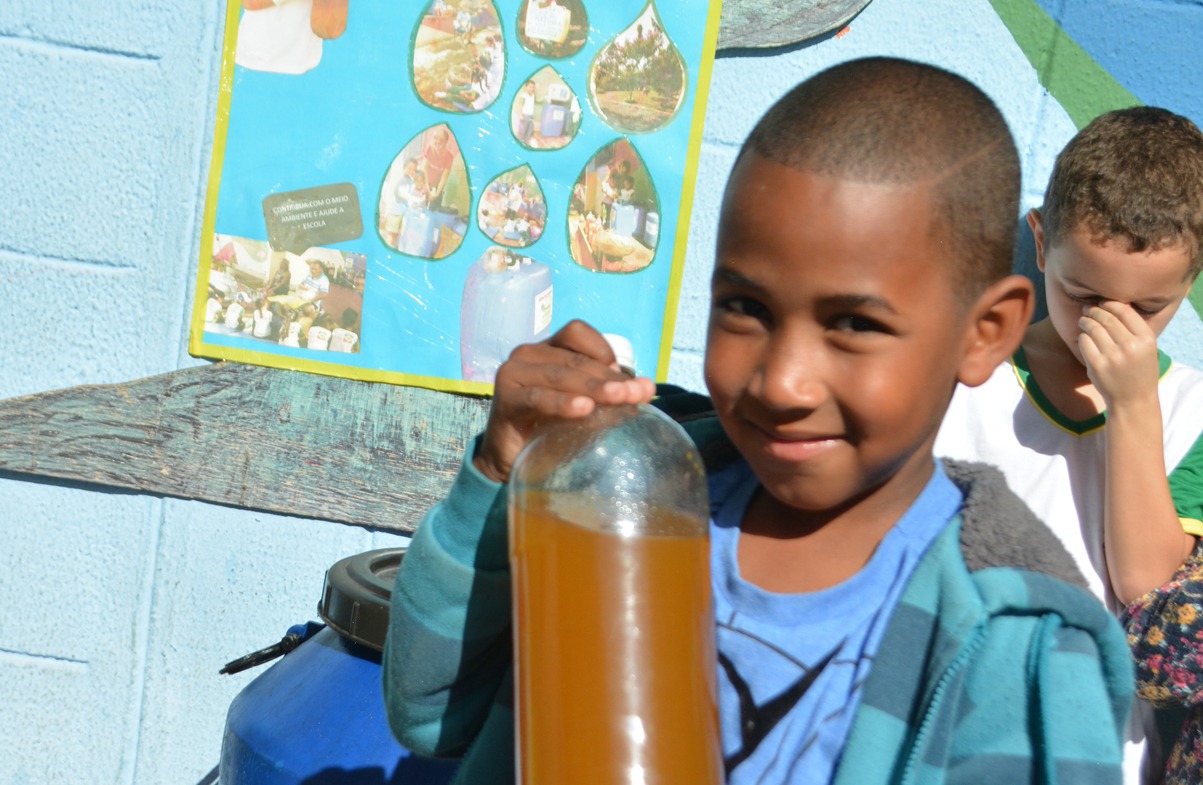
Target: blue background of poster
{"x":347,"y":119}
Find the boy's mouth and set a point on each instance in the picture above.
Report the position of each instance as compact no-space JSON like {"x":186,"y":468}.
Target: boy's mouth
{"x":795,"y":447}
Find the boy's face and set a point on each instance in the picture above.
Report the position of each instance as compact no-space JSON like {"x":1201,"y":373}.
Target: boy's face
{"x":1083,"y":270}
{"x":835,"y":336}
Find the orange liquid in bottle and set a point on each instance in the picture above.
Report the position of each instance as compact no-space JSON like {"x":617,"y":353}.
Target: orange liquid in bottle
{"x":614,"y":644}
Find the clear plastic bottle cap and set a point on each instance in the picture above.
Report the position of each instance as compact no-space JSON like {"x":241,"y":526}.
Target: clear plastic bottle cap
{"x":624,"y":352}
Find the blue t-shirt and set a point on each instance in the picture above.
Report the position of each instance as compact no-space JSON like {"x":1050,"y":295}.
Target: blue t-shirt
{"x":792,"y":666}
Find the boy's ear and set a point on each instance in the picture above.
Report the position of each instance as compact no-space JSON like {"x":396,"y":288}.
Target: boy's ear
{"x":996,"y":323}
{"x":1036,"y":223}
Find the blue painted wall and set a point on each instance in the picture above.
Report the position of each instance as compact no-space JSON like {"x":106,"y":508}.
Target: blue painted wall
{"x":120,"y":608}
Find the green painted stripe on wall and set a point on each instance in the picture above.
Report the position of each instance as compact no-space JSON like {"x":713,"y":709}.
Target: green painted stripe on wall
{"x":1082,"y":87}
{"x":1196,"y":297}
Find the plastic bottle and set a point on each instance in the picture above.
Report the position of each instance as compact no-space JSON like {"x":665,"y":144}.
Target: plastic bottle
{"x":507,"y":301}
{"x":613,"y":624}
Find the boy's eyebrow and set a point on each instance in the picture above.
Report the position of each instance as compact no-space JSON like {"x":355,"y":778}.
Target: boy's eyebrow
{"x":851,"y":301}
{"x":1069,"y":279}
{"x":729,"y":276}
{"x":854,"y":301}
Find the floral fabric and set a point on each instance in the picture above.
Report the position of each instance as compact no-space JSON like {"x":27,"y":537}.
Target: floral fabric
{"x":1165,"y":633}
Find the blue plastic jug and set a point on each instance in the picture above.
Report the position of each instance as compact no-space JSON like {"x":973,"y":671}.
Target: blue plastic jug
{"x":317,"y":715}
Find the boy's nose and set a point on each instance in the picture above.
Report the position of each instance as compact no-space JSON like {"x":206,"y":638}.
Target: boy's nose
{"x":791,"y":379}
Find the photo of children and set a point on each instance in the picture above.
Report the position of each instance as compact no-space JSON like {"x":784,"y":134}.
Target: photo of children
{"x":285,"y":36}
{"x":637,"y":81}
{"x":459,"y":55}
{"x":259,"y":293}
{"x":545,"y":114}
{"x":552,"y":28}
{"x":614,"y":214}
{"x":424,"y":201}
{"x":512,"y":210}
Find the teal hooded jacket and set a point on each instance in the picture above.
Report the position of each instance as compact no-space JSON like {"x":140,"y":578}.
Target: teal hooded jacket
{"x":997,"y":666}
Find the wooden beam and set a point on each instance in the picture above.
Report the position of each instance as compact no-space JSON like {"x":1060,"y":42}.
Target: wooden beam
{"x":296,"y":443}
{"x":760,"y":24}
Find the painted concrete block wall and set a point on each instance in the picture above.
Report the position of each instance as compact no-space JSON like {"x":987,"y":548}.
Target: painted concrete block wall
{"x":120,"y":608}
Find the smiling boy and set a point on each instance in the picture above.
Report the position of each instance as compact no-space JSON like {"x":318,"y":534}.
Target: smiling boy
{"x":881,"y":616}
{"x":1088,"y":417}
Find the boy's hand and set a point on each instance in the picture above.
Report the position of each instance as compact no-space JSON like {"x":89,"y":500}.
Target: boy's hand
{"x":1120,"y":350}
{"x":564,"y":377}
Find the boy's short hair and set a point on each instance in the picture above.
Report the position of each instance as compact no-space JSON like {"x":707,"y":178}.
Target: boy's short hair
{"x":887,"y":120}
{"x":1135,"y":174}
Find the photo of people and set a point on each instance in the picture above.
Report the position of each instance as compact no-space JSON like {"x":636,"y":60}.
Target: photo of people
{"x":545,"y":114}
{"x":637,"y":81}
{"x":311,"y":300}
{"x":512,"y":210}
{"x":285,"y":36}
{"x":552,"y":28}
{"x":614,"y":213}
{"x":424,"y":201}
{"x":459,"y":55}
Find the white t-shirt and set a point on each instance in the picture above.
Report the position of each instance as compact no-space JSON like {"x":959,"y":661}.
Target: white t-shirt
{"x":319,"y":338}
{"x":263,"y":322}
{"x":1056,"y":464}
{"x":234,"y":315}
{"x":212,"y":309}
{"x":279,"y":39}
{"x":342,"y":340}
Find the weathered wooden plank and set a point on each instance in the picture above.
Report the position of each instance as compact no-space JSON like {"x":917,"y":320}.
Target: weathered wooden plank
{"x":759,"y":24}
{"x":296,"y":443}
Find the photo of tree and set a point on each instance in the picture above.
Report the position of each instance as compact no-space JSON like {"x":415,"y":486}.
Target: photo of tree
{"x":637,"y":81}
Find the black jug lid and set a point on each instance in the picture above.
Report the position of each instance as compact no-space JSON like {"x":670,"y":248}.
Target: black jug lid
{"x":356,"y":594}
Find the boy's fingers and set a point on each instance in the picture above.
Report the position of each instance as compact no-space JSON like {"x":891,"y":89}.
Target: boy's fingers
{"x":1115,"y":315}
{"x":1098,"y":321}
{"x":579,"y":337}
{"x":545,"y":365}
{"x":1090,"y":354}
{"x":1097,"y":333}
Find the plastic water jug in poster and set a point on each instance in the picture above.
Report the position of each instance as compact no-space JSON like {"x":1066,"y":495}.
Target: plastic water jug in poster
{"x":507,"y":302}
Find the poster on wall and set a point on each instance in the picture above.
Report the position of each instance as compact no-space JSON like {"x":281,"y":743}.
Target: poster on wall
{"x":404,"y":192}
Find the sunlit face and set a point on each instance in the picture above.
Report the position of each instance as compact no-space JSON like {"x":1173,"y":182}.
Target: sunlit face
{"x":1082,"y":270}
{"x":835,"y":336}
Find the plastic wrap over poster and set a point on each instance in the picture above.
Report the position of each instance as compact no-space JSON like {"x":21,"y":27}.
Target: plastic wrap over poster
{"x":404,"y":192}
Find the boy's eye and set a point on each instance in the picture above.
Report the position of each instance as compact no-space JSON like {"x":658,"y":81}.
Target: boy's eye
{"x":1147,"y":311}
{"x":742,"y":306}
{"x":854,"y":323}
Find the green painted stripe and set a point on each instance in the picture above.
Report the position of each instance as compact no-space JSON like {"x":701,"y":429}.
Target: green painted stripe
{"x":1082,"y":86}
{"x":1196,"y":298}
